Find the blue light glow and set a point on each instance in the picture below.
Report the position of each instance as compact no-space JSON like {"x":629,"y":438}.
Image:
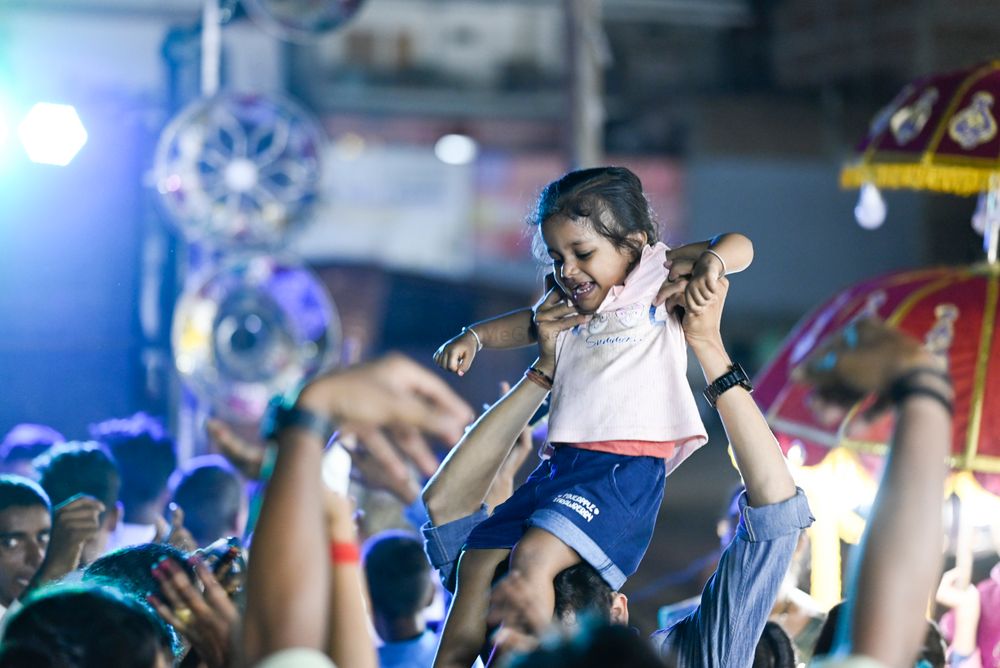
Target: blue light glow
{"x":52,"y":134}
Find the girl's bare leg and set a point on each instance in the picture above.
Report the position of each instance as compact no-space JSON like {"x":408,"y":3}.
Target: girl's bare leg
{"x":464,"y":634}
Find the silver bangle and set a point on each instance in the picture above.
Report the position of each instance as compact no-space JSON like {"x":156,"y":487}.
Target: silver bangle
{"x":724,"y":270}
{"x":479,"y":342}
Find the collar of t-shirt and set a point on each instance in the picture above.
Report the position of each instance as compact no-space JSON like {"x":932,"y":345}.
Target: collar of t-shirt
{"x":637,"y":283}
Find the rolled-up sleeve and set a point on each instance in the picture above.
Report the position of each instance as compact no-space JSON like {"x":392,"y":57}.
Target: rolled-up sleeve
{"x":443,"y":544}
{"x":736,"y":602}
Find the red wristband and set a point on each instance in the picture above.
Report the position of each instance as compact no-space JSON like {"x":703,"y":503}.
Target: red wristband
{"x":344,"y":553}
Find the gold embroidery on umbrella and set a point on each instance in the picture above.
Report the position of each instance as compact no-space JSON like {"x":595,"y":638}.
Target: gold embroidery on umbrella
{"x":909,"y":121}
{"x":940,"y":336}
{"x":974,"y":125}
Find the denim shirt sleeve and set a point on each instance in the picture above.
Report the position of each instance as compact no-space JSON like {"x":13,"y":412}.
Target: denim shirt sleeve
{"x":443,"y":544}
{"x":416,"y":514}
{"x":724,"y":628}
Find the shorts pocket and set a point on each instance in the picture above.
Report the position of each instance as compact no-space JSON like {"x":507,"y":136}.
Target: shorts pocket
{"x":638,"y":482}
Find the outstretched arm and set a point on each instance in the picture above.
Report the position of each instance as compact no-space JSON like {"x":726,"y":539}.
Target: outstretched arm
{"x":511,"y":330}
{"x":888,"y":591}
{"x":703,"y":263}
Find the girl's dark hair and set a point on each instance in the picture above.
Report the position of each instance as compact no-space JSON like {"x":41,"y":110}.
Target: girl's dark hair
{"x":609,"y":199}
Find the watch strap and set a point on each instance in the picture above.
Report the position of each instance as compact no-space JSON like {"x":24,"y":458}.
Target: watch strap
{"x":735,"y":377}
{"x":280,"y":416}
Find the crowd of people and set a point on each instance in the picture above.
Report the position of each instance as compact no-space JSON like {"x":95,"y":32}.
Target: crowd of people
{"x":113,"y":553}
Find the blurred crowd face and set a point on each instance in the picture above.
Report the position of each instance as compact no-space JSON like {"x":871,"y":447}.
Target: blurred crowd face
{"x":24,"y":538}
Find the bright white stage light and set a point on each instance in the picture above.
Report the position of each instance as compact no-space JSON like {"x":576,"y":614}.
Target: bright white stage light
{"x":52,"y":134}
{"x":456,"y":149}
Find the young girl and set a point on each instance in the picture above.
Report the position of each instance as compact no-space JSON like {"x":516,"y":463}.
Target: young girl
{"x":622,"y":414}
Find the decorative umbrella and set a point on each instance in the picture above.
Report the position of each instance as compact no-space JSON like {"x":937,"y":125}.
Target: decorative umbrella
{"x":954,"y":311}
{"x":938,"y":134}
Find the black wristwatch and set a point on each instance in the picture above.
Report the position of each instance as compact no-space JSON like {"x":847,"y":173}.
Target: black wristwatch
{"x":281,"y":413}
{"x":727,"y":381}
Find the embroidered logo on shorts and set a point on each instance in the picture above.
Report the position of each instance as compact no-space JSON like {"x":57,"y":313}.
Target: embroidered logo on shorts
{"x":581,"y":505}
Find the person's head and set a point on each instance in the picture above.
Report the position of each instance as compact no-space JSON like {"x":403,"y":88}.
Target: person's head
{"x":932,"y":655}
{"x":83,"y":468}
{"x":71,"y":627}
{"x":130,"y":569}
{"x":774,"y":649}
{"x":213,"y":498}
{"x":146,"y":457}
{"x":398,"y":574}
{"x":25,"y":523}
{"x":580,"y":592}
{"x":594,"y":645}
{"x":592,"y":225}
{"x":22,"y":444}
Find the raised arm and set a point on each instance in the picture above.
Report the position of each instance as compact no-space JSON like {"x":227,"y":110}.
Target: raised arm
{"x":760,"y":461}
{"x":901,"y":549}
{"x":737,"y":599}
{"x":288,"y":582}
{"x":463,"y":480}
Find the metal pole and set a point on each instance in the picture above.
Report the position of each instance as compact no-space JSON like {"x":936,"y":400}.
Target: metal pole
{"x":588,"y":55}
{"x":211,"y":47}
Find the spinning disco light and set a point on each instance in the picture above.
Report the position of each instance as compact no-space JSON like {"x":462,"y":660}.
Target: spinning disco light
{"x":253,"y":329}
{"x":240,"y":169}
{"x":301,"y":20}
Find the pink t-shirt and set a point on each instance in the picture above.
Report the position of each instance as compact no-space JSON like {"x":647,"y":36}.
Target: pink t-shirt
{"x":621,"y":380}
{"x":988,"y":633}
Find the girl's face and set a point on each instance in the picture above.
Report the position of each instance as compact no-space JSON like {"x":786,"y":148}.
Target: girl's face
{"x":586,"y":265}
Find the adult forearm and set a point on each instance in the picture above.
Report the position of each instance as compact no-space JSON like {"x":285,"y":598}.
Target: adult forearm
{"x":351,"y":644}
{"x":289,"y":576}
{"x":902,"y":544}
{"x":463,"y":480}
{"x":760,"y":461}
{"x":511,"y":330}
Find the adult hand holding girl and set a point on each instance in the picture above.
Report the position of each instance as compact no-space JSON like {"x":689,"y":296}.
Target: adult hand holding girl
{"x":554,"y":314}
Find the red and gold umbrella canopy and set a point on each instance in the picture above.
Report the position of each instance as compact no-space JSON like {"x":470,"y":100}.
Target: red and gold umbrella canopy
{"x":940,"y":134}
{"x":954,"y":311}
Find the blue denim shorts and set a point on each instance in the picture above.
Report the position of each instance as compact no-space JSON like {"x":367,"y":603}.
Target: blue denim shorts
{"x":602,"y":505}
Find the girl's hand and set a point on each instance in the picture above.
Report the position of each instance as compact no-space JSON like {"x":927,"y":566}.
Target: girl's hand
{"x":456,"y":354}
{"x":680,"y":262}
{"x":555,"y":314}
{"x":704,"y":284}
